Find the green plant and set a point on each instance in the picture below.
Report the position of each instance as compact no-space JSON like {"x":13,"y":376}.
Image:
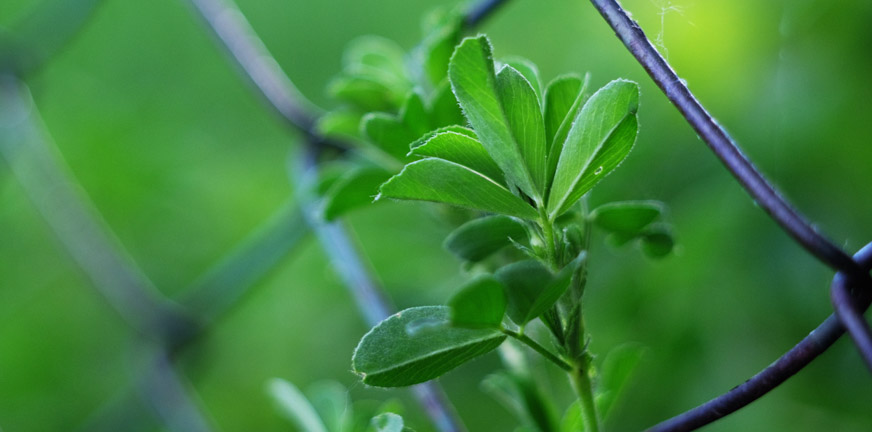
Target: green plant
{"x":522,"y":169}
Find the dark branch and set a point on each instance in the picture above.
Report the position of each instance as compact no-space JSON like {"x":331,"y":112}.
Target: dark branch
{"x":481,"y":11}
{"x":720,"y":142}
{"x":818,"y":341}
{"x":849,"y":310}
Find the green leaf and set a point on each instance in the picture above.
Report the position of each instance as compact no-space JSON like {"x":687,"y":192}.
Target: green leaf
{"x":461,"y":149}
{"x":657,"y":243}
{"x":572,"y":419}
{"x":330,"y":399}
{"x":444,"y":109}
{"x":480,"y":303}
{"x":342,"y":124}
{"x":388,"y":133}
{"x":294,"y":406}
{"x":601,"y":137}
{"x":626,"y":217}
{"x":435,"y":50}
{"x":617,"y":369}
{"x":388,"y":356}
{"x":355,"y":189}
{"x":521,"y":105}
{"x":528,"y":69}
{"x":366,"y":93}
{"x":414,"y":116}
{"x":531,"y":288}
{"x":375,"y":54}
{"x":471,"y":71}
{"x":387,"y":422}
{"x":560,"y":96}
{"x":520,"y":396}
{"x":439,"y":180}
{"x":555,"y":143}
{"x":479,"y":238}
{"x":453,"y":128}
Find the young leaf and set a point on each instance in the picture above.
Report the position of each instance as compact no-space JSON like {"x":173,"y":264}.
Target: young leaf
{"x":377,"y":54}
{"x":657,"y":243}
{"x":452,"y":128}
{"x":444,"y":110}
{"x":481,"y":303}
{"x":520,"y":396}
{"x":330,"y":399}
{"x":528,"y":69}
{"x":355,"y":189}
{"x":367,"y":93}
{"x":294,"y":406}
{"x":461,"y":149}
{"x":435,"y":50}
{"x":626,"y":217}
{"x":414,"y":116}
{"x":531,"y":288}
{"x":472,"y":76}
{"x":599,"y":140}
{"x":560,"y":96}
{"x":387,"y":133}
{"x":342,"y":124}
{"x":447,"y":182}
{"x":387,"y":422}
{"x":617,"y":369}
{"x":572,"y":420}
{"x":388,"y":356}
{"x":562,"y":130}
{"x":521,"y":105}
{"x":479,"y":238}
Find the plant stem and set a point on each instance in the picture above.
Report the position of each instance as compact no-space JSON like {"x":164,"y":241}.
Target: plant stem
{"x":548,"y":238}
{"x":583,"y":388}
{"x":538,"y":348}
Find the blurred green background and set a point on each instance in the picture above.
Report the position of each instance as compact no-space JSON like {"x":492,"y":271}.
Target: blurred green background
{"x":183,"y":161}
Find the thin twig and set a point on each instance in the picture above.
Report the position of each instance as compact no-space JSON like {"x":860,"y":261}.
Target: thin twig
{"x":77,"y":224}
{"x":629,"y":32}
{"x":818,"y":341}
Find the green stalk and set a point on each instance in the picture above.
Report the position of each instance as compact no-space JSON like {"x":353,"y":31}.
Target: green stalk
{"x":578,"y":374}
{"x":582,"y":385}
{"x":538,"y":348}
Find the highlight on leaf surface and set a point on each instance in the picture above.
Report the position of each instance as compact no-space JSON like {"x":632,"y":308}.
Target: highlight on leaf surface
{"x":294,"y":406}
{"x":389,"y":356}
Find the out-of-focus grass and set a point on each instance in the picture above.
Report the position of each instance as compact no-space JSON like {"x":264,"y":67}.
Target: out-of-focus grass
{"x":183,"y":161}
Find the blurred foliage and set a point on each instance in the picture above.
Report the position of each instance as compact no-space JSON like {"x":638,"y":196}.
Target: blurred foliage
{"x":183,"y":161}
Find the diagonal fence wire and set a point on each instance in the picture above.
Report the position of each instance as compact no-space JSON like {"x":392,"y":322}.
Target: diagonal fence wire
{"x":853,"y":273}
